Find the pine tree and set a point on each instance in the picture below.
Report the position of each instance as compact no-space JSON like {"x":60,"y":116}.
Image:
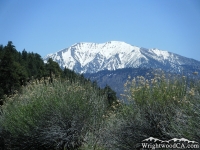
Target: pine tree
{"x":1,"y":52}
{"x":8,"y":77}
{"x":53,"y":69}
{"x":12,"y":73}
{"x":24,"y":55}
{"x":65,"y":72}
{"x":111,"y":95}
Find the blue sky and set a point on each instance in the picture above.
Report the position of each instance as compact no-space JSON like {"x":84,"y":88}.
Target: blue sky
{"x":47,"y":26}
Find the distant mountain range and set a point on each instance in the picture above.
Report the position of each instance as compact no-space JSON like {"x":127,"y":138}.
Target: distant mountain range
{"x":117,"y":78}
{"x":111,"y":63}
{"x":93,"y":57}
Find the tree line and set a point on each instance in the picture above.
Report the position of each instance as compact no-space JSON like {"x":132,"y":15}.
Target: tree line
{"x":17,"y":69}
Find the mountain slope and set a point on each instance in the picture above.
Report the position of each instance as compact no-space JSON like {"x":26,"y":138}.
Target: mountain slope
{"x":117,"y":78}
{"x":93,"y":57}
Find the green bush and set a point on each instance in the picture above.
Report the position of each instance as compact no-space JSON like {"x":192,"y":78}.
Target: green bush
{"x":162,"y":107}
{"x":66,"y":115}
{"x":52,"y":116}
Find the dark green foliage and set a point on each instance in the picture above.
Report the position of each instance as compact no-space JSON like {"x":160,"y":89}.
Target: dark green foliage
{"x":1,"y":52}
{"x":71,"y":75}
{"x":1,"y":95}
{"x":11,"y":71}
{"x":54,"y":132}
{"x":111,"y":95}
{"x":53,"y":69}
{"x":52,"y":116}
{"x":16,"y":69}
{"x":24,"y":55}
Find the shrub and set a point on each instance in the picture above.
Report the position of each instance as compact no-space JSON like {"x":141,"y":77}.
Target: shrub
{"x":162,"y":107}
{"x":52,"y":116}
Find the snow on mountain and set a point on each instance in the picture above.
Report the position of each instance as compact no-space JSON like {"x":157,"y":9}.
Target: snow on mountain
{"x":93,"y":57}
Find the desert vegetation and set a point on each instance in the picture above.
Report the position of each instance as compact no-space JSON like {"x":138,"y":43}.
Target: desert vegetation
{"x":66,"y":115}
{"x":163,"y":107}
{"x":62,"y":115}
{"x":62,"y":110}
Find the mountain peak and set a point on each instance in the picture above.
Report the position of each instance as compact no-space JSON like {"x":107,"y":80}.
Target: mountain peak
{"x":86,"y":57}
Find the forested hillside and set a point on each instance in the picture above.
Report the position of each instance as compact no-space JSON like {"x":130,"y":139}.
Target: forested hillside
{"x":18,"y":69}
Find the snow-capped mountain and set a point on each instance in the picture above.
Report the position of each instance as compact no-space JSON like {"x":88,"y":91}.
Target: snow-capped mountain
{"x":93,"y":57}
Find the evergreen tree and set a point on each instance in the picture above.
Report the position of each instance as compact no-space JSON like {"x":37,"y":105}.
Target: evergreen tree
{"x":24,"y":55}
{"x":8,"y":68}
{"x":1,"y":52}
{"x":94,"y":84}
{"x":32,"y":68}
{"x":111,"y":95}
{"x":12,"y":73}
{"x":70,"y":75}
{"x":53,"y":69}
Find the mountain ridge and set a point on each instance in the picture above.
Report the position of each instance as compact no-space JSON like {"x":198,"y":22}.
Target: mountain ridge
{"x":86,"y":57}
